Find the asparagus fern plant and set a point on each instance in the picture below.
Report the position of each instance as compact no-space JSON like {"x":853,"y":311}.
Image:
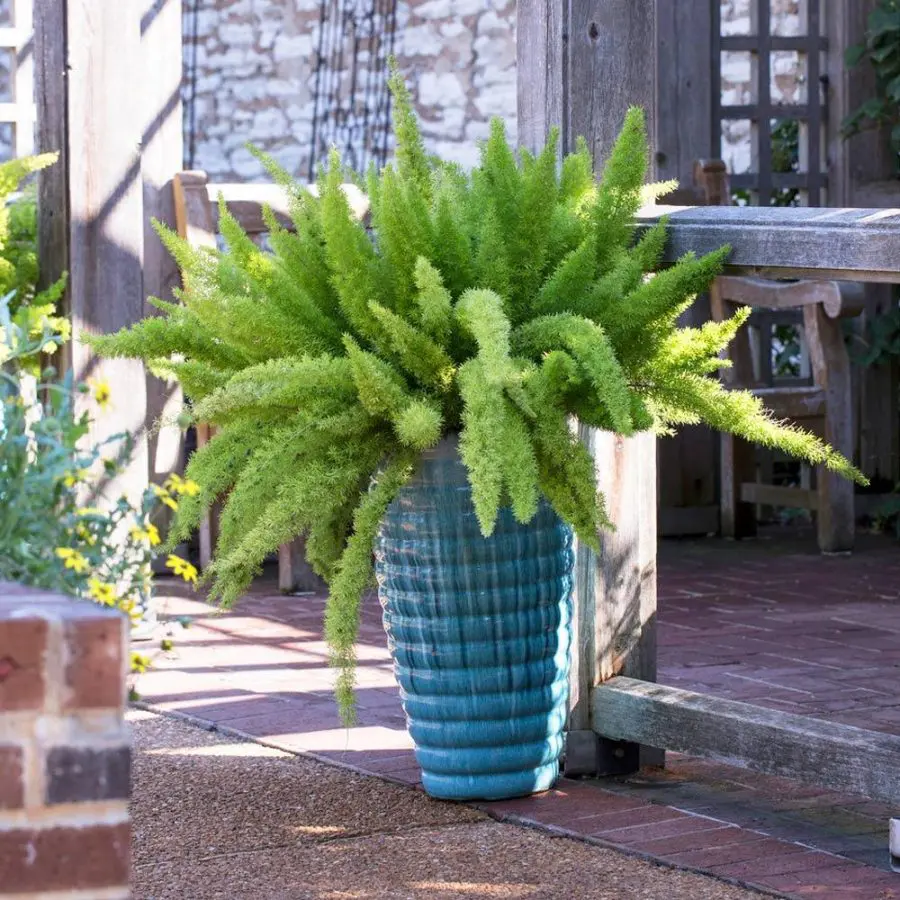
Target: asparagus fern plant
{"x":496,"y":304}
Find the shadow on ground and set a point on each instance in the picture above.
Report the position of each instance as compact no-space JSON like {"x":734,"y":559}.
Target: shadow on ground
{"x":220,"y":818}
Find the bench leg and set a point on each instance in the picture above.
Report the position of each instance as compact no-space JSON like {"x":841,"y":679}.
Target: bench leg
{"x":738,"y":467}
{"x":831,"y":371}
{"x":294,"y":573}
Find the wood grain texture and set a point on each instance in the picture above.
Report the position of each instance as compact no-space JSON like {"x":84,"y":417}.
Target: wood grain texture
{"x":779,"y":495}
{"x":737,"y":461}
{"x":684,"y":130}
{"x":295,"y":575}
{"x":542,"y":51}
{"x":578,"y":70}
{"x":861,"y":173}
{"x":89,"y":65}
{"x":831,"y":371}
{"x":825,"y":753}
{"x":51,"y":93}
{"x":794,"y":402}
{"x":161,"y":157}
{"x":849,"y":244}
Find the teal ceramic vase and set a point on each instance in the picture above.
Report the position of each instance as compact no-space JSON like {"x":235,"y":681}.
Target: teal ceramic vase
{"x":479,"y":629}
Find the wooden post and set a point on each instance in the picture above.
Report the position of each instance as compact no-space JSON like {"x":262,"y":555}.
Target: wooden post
{"x":89,"y":87}
{"x":861,"y":173}
{"x":580,"y":67}
{"x":161,"y":157}
{"x":831,"y":370}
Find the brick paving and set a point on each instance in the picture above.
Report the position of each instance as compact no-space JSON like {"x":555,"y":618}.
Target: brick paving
{"x":768,"y":622}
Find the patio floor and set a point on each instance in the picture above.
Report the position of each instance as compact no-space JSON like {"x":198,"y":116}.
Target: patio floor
{"x":769,"y":622}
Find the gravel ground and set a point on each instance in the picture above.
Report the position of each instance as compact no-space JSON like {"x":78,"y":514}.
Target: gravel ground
{"x":218,"y":818}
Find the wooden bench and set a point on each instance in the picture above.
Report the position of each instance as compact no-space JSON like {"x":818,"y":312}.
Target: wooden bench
{"x":820,"y":399}
{"x":196,"y":220}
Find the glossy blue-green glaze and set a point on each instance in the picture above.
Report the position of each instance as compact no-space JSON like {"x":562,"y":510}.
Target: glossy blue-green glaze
{"x":479,"y":631}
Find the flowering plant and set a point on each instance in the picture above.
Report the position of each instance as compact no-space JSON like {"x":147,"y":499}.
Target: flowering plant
{"x":51,"y":536}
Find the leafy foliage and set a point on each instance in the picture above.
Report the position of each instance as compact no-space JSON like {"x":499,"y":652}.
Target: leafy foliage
{"x":49,"y":537}
{"x":881,"y":50}
{"x":495,"y":304}
{"x":31,"y":310}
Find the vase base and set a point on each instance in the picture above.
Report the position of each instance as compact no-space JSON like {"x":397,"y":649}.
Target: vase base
{"x":501,"y":786}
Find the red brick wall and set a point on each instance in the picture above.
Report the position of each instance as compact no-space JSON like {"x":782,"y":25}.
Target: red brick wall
{"x":64,"y":749}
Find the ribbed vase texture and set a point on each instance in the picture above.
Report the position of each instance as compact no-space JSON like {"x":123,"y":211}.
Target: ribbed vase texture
{"x":479,"y":631}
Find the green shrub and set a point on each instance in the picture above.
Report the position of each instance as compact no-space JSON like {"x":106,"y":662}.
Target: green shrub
{"x":31,"y":310}
{"x":496,"y":304}
{"x":50,"y":537}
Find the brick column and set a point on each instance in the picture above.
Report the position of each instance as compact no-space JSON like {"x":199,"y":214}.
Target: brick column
{"x":64,"y":750}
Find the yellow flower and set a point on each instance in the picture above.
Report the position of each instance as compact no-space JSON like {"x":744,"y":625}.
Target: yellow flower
{"x":89,"y":511}
{"x":179,"y":485}
{"x":102,"y":593}
{"x":74,"y":477}
{"x":164,"y":496}
{"x":102,"y":392}
{"x":84,"y":534}
{"x":182,"y":567}
{"x":148,"y":533}
{"x":73,"y":559}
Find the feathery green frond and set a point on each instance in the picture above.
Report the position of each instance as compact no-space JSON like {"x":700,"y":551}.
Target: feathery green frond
{"x":381,"y":388}
{"x":415,"y":351}
{"x":434,"y":301}
{"x":499,"y":305}
{"x":354,"y":575}
{"x":743,"y":414}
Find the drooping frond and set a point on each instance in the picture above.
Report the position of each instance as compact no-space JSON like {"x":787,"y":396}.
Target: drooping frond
{"x":497,"y":305}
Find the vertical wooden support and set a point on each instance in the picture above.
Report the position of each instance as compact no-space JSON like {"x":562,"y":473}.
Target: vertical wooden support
{"x":738,"y":457}
{"x":861,"y":172}
{"x":161,"y":157}
{"x":831,"y":372}
{"x":580,"y":66}
{"x":89,"y":84}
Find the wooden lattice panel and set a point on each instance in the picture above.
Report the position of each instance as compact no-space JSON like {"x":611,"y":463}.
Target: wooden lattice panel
{"x":17,"y":107}
{"x":764,"y":183}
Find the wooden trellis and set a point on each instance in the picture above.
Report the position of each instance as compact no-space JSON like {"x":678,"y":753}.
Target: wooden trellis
{"x":17,"y":109}
{"x":764,"y":112}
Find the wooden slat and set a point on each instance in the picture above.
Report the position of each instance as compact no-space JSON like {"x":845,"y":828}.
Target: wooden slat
{"x":684,"y":129}
{"x":849,"y":244}
{"x":779,"y":495}
{"x":246,"y":202}
{"x":794,"y":402}
{"x":295,"y":575}
{"x":778,"y":743}
{"x":577,"y":70}
{"x":787,"y":295}
{"x":748,"y":43}
{"x":89,"y":61}
{"x":737,"y":457}
{"x":831,"y":370}
{"x":161,"y":158}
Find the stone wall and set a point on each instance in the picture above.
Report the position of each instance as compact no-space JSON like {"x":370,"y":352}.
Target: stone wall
{"x":255,"y":77}
{"x":64,"y":751}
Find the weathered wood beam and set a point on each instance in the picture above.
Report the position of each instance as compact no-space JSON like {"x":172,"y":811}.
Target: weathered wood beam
{"x":778,"y":743}
{"x":161,"y":157}
{"x":578,"y":69}
{"x":777,"y":242}
{"x":89,"y":85}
